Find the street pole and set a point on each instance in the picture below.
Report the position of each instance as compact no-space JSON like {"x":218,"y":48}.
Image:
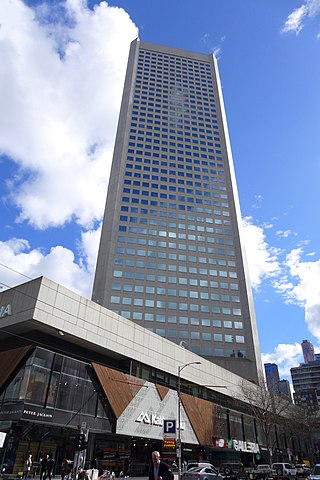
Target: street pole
{"x":179,"y":446}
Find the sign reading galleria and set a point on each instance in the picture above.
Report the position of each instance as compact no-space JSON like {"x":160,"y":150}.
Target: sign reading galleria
{"x":238,"y":445}
{"x":5,"y":310}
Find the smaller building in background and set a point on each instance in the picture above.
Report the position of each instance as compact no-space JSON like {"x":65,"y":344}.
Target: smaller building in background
{"x":308,"y":351}
{"x":306,"y":384}
{"x":307,"y":399}
{"x":272,"y":377}
{"x":284,"y":388}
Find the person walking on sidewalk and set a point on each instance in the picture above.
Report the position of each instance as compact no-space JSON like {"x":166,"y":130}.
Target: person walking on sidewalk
{"x":27,"y":466}
{"x":159,"y":470}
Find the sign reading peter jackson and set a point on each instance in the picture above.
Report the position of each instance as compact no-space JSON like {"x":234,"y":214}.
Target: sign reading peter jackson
{"x":37,"y":413}
{"x":29,"y":412}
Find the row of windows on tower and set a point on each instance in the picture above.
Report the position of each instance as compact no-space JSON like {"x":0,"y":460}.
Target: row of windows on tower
{"x":173,"y":188}
{"x":152,"y":91}
{"x":174,"y":280}
{"x":174,"y":64}
{"x":161,"y":243}
{"x":214,"y":185}
{"x":184,"y":336}
{"x":178,"y":127}
{"x":188,"y":84}
{"x":164,"y":136}
{"x":163,"y":72}
{"x":180,"y":216}
{"x":219,"y":177}
{"x":181,"y":226}
{"x":163,"y":233}
{"x":191,"y":322}
{"x":169,"y":58}
{"x":179,"y":198}
{"x":172,"y":267}
{"x":191,"y":294}
{"x":182,"y":112}
{"x":168,"y":179}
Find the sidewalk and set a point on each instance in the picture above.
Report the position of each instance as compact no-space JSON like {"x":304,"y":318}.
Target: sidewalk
{"x":14,"y":476}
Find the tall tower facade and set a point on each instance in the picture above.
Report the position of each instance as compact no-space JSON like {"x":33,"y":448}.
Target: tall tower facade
{"x":308,"y":351}
{"x":272,"y":377}
{"x":171,"y":256}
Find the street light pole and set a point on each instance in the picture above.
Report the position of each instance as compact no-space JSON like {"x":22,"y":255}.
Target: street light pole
{"x":179,"y":447}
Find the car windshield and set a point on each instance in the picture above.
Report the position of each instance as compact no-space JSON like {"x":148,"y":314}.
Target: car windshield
{"x":195,"y":469}
{"x":316,"y":470}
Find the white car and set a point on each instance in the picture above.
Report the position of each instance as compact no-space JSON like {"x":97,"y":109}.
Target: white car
{"x":283,"y":470}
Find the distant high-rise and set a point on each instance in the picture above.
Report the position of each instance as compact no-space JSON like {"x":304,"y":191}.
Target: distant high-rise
{"x":171,"y":256}
{"x":272,"y":377}
{"x":284,"y":387}
{"x":306,"y":384}
{"x":308,"y":351}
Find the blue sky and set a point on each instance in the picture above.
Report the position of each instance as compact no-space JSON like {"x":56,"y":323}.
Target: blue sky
{"x":63,"y":66}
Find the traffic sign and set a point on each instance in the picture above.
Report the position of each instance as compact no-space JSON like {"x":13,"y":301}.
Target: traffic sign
{"x":169,"y":428}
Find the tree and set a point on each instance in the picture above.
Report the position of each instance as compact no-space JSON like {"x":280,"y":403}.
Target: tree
{"x":268,"y":409}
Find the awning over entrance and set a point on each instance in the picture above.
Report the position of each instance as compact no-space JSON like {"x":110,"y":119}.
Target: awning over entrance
{"x":10,"y":361}
{"x":119,"y":388}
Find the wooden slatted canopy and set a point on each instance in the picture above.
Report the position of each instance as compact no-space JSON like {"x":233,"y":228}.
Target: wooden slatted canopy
{"x":202,"y":415}
{"x":162,"y":390}
{"x":10,"y":362}
{"x":119,"y":388}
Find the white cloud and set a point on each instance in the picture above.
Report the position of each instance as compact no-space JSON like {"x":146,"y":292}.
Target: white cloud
{"x":258,"y":201}
{"x":59,"y":264}
{"x":215,"y":49}
{"x":285,"y":356}
{"x":303,"y":288}
{"x":61,"y":84}
{"x":262,"y":258}
{"x":285,"y":233}
{"x":294,"y":22}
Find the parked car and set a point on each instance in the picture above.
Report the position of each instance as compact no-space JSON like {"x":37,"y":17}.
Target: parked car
{"x":283,"y":470}
{"x":200,"y":464}
{"x":315,"y":473}
{"x":302,"y":470}
{"x":201,"y":473}
{"x":262,"y":471}
{"x":232,"y":470}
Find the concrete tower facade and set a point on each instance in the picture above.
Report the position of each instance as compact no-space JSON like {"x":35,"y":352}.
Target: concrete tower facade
{"x":308,"y":351}
{"x":171,"y":256}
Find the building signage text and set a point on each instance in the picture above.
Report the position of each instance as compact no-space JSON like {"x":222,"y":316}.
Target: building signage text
{"x":151,"y":419}
{"x":242,"y":446}
{"x":36,"y":414}
{"x":5,"y":310}
{"x":238,"y":445}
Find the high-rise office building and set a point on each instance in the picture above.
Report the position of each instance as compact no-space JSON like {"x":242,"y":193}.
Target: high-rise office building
{"x":272,"y":377}
{"x":308,"y":351}
{"x":171,"y":256}
{"x":284,"y":388}
{"x":306,"y":384}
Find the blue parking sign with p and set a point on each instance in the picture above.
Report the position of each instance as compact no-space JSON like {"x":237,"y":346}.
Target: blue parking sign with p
{"x":169,"y":427}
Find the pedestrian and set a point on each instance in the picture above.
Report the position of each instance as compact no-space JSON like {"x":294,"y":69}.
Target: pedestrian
{"x":159,"y":470}
{"x":44,"y":463}
{"x":27,"y":466}
{"x":64,"y":469}
{"x":126,"y":467}
{"x":49,"y":467}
